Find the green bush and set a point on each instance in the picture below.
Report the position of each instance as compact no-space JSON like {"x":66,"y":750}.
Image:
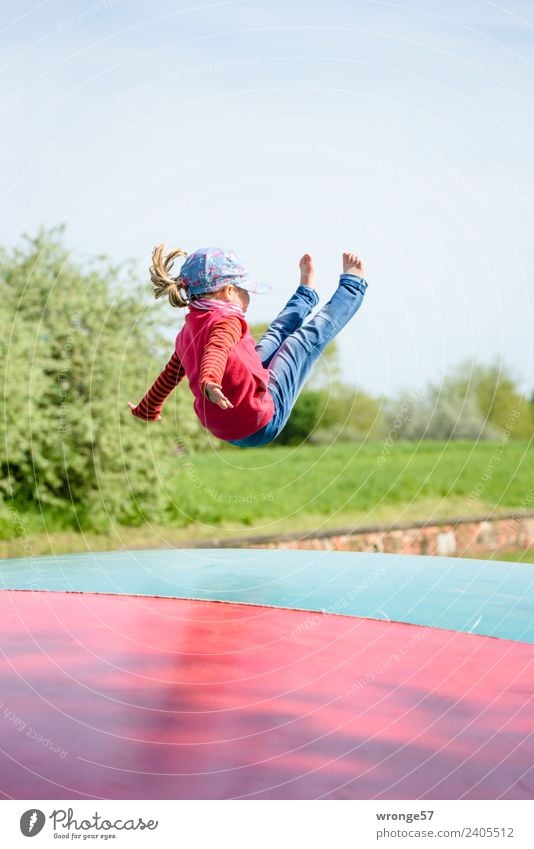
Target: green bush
{"x":303,"y":420}
{"x":78,"y":341}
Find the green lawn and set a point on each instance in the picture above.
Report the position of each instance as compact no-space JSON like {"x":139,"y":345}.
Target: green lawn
{"x":526,"y":556}
{"x":280,"y":489}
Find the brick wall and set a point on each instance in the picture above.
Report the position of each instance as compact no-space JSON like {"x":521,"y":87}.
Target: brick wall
{"x":447,"y":537}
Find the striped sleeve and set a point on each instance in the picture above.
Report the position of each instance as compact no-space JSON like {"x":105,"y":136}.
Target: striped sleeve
{"x":149,"y":408}
{"x":223,"y":337}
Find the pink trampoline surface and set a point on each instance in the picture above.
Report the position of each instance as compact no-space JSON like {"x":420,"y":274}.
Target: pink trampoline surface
{"x":132,"y":697}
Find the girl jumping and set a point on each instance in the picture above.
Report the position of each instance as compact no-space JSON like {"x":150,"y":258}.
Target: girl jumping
{"x":243,"y":391}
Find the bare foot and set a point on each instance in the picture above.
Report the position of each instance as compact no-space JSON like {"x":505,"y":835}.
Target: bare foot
{"x":352,"y":264}
{"x":307,"y":271}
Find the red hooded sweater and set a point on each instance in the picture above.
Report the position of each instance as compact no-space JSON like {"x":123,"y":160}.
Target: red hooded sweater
{"x":244,"y":382}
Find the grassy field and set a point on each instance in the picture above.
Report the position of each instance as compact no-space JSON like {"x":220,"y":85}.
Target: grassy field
{"x":275,"y":490}
{"x":526,"y":556}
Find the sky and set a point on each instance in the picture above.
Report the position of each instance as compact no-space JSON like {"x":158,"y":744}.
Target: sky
{"x":401,"y":132}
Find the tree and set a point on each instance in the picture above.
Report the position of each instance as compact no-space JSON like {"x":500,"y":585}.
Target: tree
{"x":78,"y":341}
{"x":303,"y":420}
{"x":472,"y":402}
{"x":499,"y":400}
{"x":349,"y":415}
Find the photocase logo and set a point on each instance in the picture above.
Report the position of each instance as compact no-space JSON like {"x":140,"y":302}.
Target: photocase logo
{"x":31,"y":822}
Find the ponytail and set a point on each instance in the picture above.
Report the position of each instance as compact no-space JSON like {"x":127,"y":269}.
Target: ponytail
{"x":161,"y":281}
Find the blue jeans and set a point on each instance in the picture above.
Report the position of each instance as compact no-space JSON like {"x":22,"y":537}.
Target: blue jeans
{"x":289,"y":348}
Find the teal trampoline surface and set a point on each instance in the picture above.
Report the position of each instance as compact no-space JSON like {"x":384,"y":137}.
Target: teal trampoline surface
{"x":482,"y":597}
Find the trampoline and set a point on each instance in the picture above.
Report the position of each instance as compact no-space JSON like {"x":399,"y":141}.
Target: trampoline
{"x":266,"y":674}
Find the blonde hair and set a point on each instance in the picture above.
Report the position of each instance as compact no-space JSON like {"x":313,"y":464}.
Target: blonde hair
{"x":160,"y":275}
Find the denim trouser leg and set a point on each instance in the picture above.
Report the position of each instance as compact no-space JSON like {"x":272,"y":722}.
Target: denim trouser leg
{"x":291,"y":364}
{"x":286,"y":322}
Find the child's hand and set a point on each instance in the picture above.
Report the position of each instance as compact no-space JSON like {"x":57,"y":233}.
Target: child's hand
{"x":352,"y":264}
{"x":214,"y":394}
{"x":133,"y":408}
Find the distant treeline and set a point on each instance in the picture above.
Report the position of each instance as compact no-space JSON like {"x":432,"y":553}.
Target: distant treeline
{"x":473,"y":402}
{"x":82,"y":336}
